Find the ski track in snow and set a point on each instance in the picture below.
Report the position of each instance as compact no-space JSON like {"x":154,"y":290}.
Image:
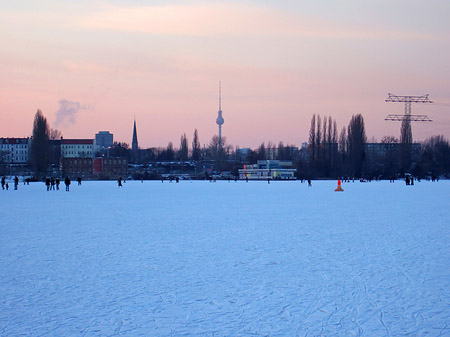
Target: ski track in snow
{"x":226,"y":259}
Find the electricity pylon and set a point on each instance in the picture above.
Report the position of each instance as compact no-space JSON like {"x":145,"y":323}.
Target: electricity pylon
{"x":407,"y":115}
{"x":406,"y":119}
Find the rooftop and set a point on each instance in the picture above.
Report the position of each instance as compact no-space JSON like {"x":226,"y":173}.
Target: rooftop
{"x":77,"y":141}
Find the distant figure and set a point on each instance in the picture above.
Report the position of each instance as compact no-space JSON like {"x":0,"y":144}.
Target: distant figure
{"x":412,"y":180}
{"x":309,"y":183}
{"x":162,"y":180}
{"x":57,"y":181}
{"x":16,"y":182}
{"x":52,"y":182}
{"x":407,"y":180}
{"x":67,"y":183}
{"x":177,"y":179}
{"x":246,"y":179}
{"x":7,"y":186}
{"x":119,"y":182}
{"x":47,"y":183}
{"x":27,"y":181}
{"x":3,"y":183}
{"x":268,"y":180}
{"x":79,"y":181}
{"x":235,"y":179}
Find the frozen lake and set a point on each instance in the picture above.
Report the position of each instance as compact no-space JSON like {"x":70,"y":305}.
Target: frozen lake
{"x":226,"y":259}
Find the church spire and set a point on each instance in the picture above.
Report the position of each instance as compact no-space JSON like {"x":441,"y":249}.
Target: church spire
{"x":134,"y":144}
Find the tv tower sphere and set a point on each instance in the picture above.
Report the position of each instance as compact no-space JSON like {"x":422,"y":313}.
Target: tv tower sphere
{"x":220,"y":119}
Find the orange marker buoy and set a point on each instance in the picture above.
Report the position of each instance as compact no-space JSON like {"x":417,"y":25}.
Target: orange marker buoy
{"x":339,"y":187}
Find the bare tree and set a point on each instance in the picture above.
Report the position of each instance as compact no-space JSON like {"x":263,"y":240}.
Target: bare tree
{"x":55,"y":134}
{"x":170,"y":152}
{"x":261,"y":152}
{"x":280,"y":151}
{"x":215,"y":151}
{"x":120,"y":149}
{"x":40,"y":147}
{"x":318,"y":138}
{"x":196,"y":150}
{"x":183,"y":151}
{"x":435,"y":158}
{"x":405,"y":148}
{"x":356,"y":142}
{"x":312,"y":139}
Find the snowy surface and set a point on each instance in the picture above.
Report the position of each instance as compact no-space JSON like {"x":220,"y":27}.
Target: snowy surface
{"x":226,"y":259}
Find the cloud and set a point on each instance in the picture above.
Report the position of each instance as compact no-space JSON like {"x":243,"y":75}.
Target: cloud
{"x":86,"y":67}
{"x":67,"y":112}
{"x":232,"y":20}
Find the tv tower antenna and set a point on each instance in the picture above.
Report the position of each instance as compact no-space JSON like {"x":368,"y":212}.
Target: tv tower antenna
{"x":220,"y":120}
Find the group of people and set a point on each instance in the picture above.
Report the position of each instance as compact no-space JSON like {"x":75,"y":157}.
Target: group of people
{"x":6,"y":185}
{"x":409,"y":180}
{"x":51,"y":183}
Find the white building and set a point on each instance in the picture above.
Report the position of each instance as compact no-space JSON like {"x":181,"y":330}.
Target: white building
{"x":14,"y":150}
{"x":77,"y":148}
{"x":268,"y":169}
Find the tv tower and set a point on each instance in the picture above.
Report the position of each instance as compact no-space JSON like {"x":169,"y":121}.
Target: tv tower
{"x":220,"y":120}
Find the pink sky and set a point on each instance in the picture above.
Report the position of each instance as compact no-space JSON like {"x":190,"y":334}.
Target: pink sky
{"x":278,"y":63}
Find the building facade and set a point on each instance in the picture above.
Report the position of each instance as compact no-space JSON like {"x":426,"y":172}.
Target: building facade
{"x":77,"y":148}
{"x":110,"y":168}
{"x":14,"y":150}
{"x":77,"y":167}
{"x":103,"y":140}
{"x":268,"y":169}
{"x":383,"y":148}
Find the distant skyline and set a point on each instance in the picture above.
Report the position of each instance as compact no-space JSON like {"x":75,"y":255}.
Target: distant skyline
{"x":95,"y":65}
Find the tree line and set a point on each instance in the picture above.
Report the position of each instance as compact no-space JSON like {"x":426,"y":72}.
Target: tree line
{"x":350,"y":155}
{"x":328,"y":154}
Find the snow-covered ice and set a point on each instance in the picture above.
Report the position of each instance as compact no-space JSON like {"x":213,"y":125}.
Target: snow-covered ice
{"x":226,"y":259}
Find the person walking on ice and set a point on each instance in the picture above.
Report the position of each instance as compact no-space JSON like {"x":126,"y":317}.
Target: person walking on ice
{"x":67,"y":183}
